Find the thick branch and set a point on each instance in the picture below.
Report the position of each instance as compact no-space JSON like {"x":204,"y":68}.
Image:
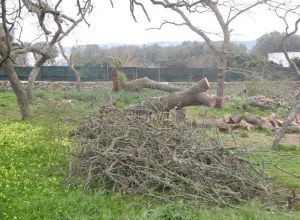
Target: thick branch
{"x":285,"y":126}
{"x":70,"y":64}
{"x":284,"y":41}
{"x":151,"y":84}
{"x":196,"y":95}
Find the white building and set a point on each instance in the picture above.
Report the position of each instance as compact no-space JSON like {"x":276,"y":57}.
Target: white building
{"x":279,"y":58}
{"x":59,"y":60}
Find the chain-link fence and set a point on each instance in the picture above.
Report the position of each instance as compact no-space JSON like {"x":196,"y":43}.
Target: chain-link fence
{"x":63,"y":73}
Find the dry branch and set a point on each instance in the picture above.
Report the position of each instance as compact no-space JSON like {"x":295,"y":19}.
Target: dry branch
{"x":285,"y":126}
{"x":147,"y":155}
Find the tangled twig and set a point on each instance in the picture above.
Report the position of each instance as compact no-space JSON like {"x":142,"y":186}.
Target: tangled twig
{"x":157,"y":157}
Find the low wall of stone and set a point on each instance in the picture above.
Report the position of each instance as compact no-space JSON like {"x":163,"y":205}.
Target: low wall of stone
{"x":46,"y":85}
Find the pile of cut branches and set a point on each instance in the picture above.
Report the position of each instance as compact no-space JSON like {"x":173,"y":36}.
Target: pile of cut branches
{"x":153,"y":156}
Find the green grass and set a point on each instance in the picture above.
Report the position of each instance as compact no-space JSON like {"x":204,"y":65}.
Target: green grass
{"x":34,"y":180}
{"x":8,"y":103}
{"x":203,"y":111}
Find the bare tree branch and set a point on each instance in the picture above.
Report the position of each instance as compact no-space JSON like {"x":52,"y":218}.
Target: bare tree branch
{"x":70,"y":64}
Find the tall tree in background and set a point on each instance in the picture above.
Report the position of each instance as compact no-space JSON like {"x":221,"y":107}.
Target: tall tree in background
{"x":270,"y":43}
{"x":53,"y":26}
{"x":224,"y":12}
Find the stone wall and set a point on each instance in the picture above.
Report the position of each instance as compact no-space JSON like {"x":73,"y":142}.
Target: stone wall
{"x":45,"y":85}
{"x":89,"y":85}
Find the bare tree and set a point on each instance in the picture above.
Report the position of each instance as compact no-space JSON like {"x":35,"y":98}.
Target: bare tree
{"x":287,"y":11}
{"x":224,"y":12}
{"x":289,"y":34}
{"x":53,"y":26}
{"x":71,"y":64}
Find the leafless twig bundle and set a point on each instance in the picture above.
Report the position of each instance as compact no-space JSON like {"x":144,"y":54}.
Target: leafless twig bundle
{"x":149,"y":155}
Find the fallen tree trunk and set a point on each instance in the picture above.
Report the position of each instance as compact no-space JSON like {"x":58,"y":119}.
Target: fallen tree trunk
{"x":258,"y":121}
{"x":293,"y":129}
{"x":195,"y":95}
{"x":246,"y":122}
{"x":218,"y":123}
{"x":151,"y":84}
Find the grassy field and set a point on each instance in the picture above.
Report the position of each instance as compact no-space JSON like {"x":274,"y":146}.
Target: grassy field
{"x":34,"y":183}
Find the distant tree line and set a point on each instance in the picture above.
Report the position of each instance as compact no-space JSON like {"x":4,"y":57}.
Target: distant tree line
{"x":189,"y":54}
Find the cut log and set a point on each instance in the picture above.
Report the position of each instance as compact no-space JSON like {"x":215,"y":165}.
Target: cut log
{"x":293,"y":129}
{"x":258,"y":121}
{"x":217,"y":123}
{"x":298,"y":118}
{"x":195,"y":95}
{"x":227,"y":118}
{"x":252,"y":119}
{"x":236,"y":118}
{"x":265,"y":124}
{"x":272,"y":120}
{"x":245,"y":125}
{"x":293,"y":123}
{"x":151,"y":84}
{"x":279,"y":121}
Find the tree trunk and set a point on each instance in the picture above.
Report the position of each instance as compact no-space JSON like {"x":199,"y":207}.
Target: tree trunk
{"x":32,"y":77}
{"x":17,"y":88}
{"x":151,"y":84}
{"x":71,"y":65}
{"x":196,"y":95}
{"x":220,"y":88}
{"x":284,"y":127}
{"x":78,"y":81}
{"x":222,"y":66}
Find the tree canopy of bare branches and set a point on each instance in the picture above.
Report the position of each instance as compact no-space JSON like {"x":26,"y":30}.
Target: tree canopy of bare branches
{"x":53,"y":25}
{"x":289,"y":13}
{"x":223,"y":12}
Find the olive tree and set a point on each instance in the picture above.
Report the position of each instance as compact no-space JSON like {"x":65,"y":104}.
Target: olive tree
{"x":53,"y":25}
{"x":224,"y":12}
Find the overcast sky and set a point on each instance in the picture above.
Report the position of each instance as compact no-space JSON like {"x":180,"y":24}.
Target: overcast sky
{"x":116,"y":25}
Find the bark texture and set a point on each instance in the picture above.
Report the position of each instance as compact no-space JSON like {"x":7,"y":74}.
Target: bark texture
{"x":286,"y":124}
{"x":17,"y":88}
{"x":195,"y":95}
{"x":151,"y":84}
{"x":71,"y":65}
{"x":6,"y":61}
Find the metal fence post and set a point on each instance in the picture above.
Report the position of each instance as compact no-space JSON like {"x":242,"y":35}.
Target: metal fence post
{"x":136,"y":75}
{"x":158,"y":74}
{"x":106,"y":73}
